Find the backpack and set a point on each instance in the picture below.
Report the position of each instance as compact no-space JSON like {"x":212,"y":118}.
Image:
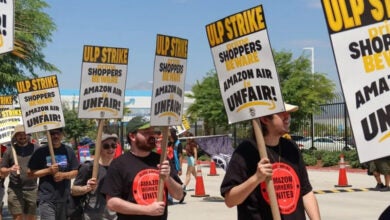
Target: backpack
{"x":75,"y":204}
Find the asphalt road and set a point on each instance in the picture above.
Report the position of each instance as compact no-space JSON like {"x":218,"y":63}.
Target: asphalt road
{"x":336,"y":203}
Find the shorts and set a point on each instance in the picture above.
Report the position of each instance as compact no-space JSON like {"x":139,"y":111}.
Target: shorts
{"x":190,"y":161}
{"x":52,"y":210}
{"x":22,"y":201}
{"x":381,"y":165}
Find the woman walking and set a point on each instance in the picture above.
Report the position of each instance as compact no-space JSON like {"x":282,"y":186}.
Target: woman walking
{"x":192,"y":157}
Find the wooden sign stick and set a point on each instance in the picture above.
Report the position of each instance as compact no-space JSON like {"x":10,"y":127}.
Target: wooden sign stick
{"x":50,"y":144}
{"x":15,"y":156}
{"x":163,"y":157}
{"x":268,"y":181}
{"x":98,"y":146}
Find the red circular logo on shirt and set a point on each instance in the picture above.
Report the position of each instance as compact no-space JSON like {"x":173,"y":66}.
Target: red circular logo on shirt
{"x":287,"y":187}
{"x":145,"y":187}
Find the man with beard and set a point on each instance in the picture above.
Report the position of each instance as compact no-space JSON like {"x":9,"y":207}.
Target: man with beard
{"x":22,"y":191}
{"x":54,"y":179}
{"x":131,"y":184}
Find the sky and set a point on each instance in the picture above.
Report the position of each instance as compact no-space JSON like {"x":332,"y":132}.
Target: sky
{"x":291,"y":25}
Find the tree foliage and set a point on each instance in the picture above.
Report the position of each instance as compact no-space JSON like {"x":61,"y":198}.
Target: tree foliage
{"x":76,"y":128}
{"x":302,"y":87}
{"x":208,"y":103}
{"x":299,"y":86}
{"x":33,"y":29}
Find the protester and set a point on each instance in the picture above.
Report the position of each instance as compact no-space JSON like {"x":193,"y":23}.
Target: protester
{"x":177,"y":147}
{"x":244,"y":182}
{"x":84,"y":184}
{"x":118,"y":149}
{"x":377,"y":168}
{"x":177,"y":150}
{"x":2,"y":179}
{"x":192,"y":157}
{"x":22,"y":191}
{"x":131,"y":183}
{"x":54,"y":179}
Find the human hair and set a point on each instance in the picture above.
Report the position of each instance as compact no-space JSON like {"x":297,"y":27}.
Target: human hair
{"x":173,"y":134}
{"x":264,"y":128}
{"x":128,"y":138}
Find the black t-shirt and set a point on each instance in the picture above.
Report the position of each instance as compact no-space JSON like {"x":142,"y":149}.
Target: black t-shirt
{"x":48,"y":189}
{"x":95,"y":201}
{"x":290,"y":180}
{"x":135,"y":179}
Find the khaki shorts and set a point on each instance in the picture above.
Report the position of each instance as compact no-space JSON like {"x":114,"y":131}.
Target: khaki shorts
{"x":381,"y":166}
{"x":22,"y":201}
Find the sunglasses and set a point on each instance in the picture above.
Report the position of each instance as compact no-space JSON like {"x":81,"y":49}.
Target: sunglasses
{"x":107,"y":146}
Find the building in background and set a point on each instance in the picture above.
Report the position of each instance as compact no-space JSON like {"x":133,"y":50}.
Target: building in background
{"x":137,"y":101}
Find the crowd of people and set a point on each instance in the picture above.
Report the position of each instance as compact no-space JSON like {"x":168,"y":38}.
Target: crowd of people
{"x":40,"y":185}
{"x":128,"y":186}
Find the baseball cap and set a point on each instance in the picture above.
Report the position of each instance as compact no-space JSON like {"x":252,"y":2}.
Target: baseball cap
{"x":56,"y":130}
{"x":18,"y":129}
{"x":109,"y":136}
{"x":290,"y":108}
{"x":137,"y":123}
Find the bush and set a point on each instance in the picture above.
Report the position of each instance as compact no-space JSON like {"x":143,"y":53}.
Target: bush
{"x":353,"y":158}
{"x":330,"y":158}
{"x":310,"y":159}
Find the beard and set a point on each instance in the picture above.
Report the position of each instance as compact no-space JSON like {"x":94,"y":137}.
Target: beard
{"x":21,"y":142}
{"x":147,"y":145}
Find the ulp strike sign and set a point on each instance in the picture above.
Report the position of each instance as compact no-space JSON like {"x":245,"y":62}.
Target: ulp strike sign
{"x":360,"y":36}
{"x":170,"y":66}
{"x":246,"y":70}
{"x":8,"y":120}
{"x":103,"y":82}
{"x":6,"y":102}
{"x":6,"y":26}
{"x":40,"y":102}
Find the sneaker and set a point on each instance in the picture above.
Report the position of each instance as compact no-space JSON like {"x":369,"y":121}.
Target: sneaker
{"x":184,"y":188}
{"x":184,"y":195}
{"x":385,"y":189}
{"x":379,"y":186}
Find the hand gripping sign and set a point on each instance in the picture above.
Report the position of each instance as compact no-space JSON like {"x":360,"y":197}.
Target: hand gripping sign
{"x":247,"y":74}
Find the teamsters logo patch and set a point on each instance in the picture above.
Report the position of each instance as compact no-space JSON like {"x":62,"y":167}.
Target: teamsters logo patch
{"x":145,"y":187}
{"x":287,"y":187}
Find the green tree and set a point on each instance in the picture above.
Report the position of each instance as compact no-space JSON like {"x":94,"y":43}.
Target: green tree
{"x":76,"y":128}
{"x":208,"y":104}
{"x":299,"y":86}
{"x":33,"y":29}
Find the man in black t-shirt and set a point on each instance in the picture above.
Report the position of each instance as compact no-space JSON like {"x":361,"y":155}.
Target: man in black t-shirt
{"x":54,"y":179}
{"x":131,"y":183}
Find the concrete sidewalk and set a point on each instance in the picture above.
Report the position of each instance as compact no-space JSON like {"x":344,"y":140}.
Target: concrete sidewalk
{"x":355,"y":202}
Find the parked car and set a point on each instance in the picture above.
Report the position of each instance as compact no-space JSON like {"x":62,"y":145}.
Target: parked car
{"x":297,"y":137}
{"x":322,"y":143}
